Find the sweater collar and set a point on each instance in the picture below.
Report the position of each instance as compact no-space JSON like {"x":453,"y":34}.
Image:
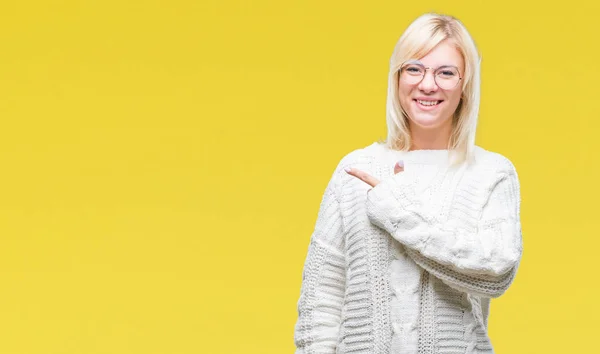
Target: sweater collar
{"x":419,"y":157}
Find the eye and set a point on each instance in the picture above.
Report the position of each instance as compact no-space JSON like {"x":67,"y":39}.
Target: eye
{"x":447,"y":73}
{"x":413,"y":69}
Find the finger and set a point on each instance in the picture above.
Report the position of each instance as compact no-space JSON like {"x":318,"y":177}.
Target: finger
{"x":399,"y":166}
{"x":365,"y":177}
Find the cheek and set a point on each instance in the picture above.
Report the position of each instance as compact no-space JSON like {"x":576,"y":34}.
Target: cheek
{"x":403,"y":96}
{"x":454,"y":100}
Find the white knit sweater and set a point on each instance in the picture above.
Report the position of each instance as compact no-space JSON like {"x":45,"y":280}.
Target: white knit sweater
{"x":410,"y":266}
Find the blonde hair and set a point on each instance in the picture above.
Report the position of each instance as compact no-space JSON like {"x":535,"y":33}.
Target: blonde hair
{"x":421,"y":36}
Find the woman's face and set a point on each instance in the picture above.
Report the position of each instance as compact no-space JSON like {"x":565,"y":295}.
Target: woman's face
{"x":419,"y":99}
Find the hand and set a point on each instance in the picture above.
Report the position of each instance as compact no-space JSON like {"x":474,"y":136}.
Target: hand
{"x":370,"y":180}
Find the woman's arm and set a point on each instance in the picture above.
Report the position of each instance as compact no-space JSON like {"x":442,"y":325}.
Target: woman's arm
{"x":323,"y":280}
{"x":477,"y":250}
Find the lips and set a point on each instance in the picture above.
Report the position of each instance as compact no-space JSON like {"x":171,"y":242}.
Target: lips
{"x":428,"y":104}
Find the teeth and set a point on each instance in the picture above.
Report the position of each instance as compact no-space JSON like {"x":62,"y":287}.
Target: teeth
{"x":428,"y":103}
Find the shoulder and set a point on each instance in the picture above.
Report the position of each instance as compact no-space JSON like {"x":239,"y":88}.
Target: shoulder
{"x":361,"y":156}
{"x":495,"y":166}
{"x":493,"y":161}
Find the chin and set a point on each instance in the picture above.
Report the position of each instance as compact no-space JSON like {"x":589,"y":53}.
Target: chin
{"x":428,"y":123}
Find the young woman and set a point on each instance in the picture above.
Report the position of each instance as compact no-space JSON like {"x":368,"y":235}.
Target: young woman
{"x":415,"y":235}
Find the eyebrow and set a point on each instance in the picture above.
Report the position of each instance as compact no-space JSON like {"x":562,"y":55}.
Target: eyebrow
{"x":417,"y":61}
{"x":414,"y":61}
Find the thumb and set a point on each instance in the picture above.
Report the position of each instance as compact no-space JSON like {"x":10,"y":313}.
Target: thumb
{"x":399,"y":166}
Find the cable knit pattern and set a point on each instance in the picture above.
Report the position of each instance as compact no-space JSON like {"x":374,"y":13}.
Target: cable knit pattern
{"x":410,"y":265}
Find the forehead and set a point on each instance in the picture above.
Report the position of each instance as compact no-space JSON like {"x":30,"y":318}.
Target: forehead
{"x":444,"y":53}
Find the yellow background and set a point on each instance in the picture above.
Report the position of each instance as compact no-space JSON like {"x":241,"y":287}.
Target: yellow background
{"x":163,"y":163}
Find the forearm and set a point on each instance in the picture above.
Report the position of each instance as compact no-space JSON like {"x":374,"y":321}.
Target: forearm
{"x":492,"y":287}
{"x":487,"y":253}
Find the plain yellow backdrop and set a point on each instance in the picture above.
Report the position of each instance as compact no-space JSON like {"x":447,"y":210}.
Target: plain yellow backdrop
{"x":163,"y":163}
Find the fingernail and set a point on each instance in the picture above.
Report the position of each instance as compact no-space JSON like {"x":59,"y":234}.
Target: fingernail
{"x":400,"y":163}
{"x":347,"y":169}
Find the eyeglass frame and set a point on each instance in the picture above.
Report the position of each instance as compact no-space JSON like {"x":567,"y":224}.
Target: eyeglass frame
{"x":417,"y":62}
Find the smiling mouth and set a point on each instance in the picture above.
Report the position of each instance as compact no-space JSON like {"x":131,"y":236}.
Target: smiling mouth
{"x":429,"y":103}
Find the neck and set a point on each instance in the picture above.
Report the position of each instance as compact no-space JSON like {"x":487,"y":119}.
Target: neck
{"x":430,"y":139}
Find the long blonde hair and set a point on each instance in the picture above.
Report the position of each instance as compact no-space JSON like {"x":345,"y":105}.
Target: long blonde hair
{"x":421,"y":36}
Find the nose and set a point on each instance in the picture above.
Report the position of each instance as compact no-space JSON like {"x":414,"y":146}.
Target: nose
{"x":428,"y":83}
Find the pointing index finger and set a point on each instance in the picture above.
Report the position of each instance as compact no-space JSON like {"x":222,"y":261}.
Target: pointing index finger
{"x":365,"y":177}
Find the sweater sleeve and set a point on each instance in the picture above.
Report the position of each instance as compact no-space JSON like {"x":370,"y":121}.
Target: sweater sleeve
{"x":477,"y":250}
{"x":323,"y":280}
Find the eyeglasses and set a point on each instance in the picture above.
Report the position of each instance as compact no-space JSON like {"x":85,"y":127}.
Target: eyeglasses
{"x":446,"y":77}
